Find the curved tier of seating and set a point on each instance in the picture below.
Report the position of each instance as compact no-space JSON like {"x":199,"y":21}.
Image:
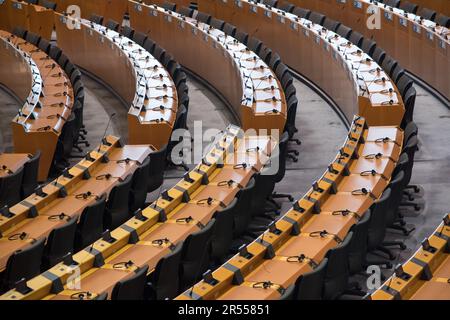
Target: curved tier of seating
{"x":299,"y":241}
{"x":425,"y":276}
{"x":250,"y":87}
{"x":348,"y":75}
{"x":40,"y":122}
{"x":139,"y":79}
{"x":161,"y":227}
{"x":419,"y":44}
{"x":440,"y":6}
{"x":54,"y":210}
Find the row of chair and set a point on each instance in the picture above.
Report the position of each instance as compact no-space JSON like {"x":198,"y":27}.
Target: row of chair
{"x":20,"y":184}
{"x":107,"y":213}
{"x":73,"y":132}
{"x":265,"y":53}
{"x":423,"y":12}
{"x":172,"y":66}
{"x":389,"y":64}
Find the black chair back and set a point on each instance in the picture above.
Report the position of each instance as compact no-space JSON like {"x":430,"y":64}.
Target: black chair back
{"x":157,"y":167}
{"x":337,"y":270}
{"x":116,"y":211}
{"x":358,"y":247}
{"x":59,"y":243}
{"x":222,"y":237}
{"x":131,"y":288}
{"x":30,"y":175}
{"x":195,"y":255}
{"x":309,"y":285}
{"x":10,"y":187}
{"x":138,"y":192}
{"x":377,"y":225}
{"x":90,"y":226}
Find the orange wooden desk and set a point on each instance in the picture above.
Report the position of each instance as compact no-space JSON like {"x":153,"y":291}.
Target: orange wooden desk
{"x":418,"y":48}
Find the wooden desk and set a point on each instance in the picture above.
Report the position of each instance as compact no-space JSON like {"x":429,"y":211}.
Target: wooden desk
{"x":137,"y":77}
{"x":70,"y":205}
{"x":10,"y":163}
{"x":419,"y":47}
{"x":41,"y":119}
{"x":314,"y":51}
{"x":234,"y":71}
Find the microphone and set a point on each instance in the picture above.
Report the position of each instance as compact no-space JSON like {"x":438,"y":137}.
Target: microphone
{"x":104,"y":142}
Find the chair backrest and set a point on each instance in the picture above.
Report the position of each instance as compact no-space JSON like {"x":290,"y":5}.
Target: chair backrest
{"x":377,"y":225}
{"x":403,"y":84}
{"x":229,"y":29}
{"x":396,"y":73}
{"x":48,"y":4}
{"x":63,"y":60}
{"x":288,"y":7}
{"x":309,"y":286}
{"x":90,"y":226}
{"x":195,"y":255}
{"x":401,"y":164}
{"x":411,"y":130}
{"x":408,"y":6}
{"x":410,"y":149}
{"x":10,"y":187}
{"x":427,"y":13}
{"x":241,"y":37}
{"x":157,"y":167}
{"x":59,"y":243}
{"x":337,"y":271}
{"x":159,"y":53}
{"x":356,"y":38}
{"x":138,"y":191}
{"x":139,"y":38}
{"x":301,"y":13}
{"x":392,"y":3}
{"x":131,"y":288}
{"x":389,"y":64}
{"x":254,"y":44}
{"x":23,"y":264}
{"x":55,"y":52}
{"x":96,"y":19}
{"x":33,"y":38}
{"x":368,"y":46}
{"x":288,"y":293}
{"x":203,"y":17}
{"x":358,"y":246}
{"x":126,"y":31}
{"x":443,"y":20}
{"x":397,"y":186}
{"x":286,"y":81}
{"x":290,"y":91}
{"x":30,"y":175}
{"x":223,"y":232}
{"x":410,"y":103}
{"x":331,"y":24}
{"x":283,"y":148}
{"x":316,"y":17}
{"x":275,"y":60}
{"x":188,"y":12}
{"x":20,"y":32}
{"x":344,"y":31}
{"x":379,"y":55}
{"x":265,"y":54}
{"x":165,"y":278}
{"x":116,"y":211}
{"x":270,"y":3}
{"x":44,"y":45}
{"x":242,"y":213}
{"x":169,"y":6}
{"x":149,"y":45}
{"x":281,"y":70}
{"x":113,"y":25}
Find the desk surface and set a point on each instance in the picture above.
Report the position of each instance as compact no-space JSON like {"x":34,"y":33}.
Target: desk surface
{"x":10,"y":163}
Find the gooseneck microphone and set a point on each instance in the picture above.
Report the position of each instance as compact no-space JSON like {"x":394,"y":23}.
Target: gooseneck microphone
{"x":106,"y":130}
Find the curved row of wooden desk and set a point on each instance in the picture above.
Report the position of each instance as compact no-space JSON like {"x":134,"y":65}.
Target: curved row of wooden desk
{"x":317,"y":222}
{"x":18,"y":73}
{"x":137,"y":77}
{"x":426,"y":276}
{"x":137,"y":239}
{"x":419,"y":45}
{"x":36,"y":216}
{"x":349,"y":76}
{"x":47,"y":106}
{"x":245,"y":81}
